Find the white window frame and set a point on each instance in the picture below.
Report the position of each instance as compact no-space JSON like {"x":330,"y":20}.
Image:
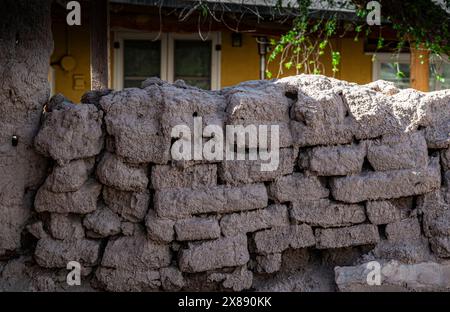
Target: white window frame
{"x":214,"y":37}
{"x":52,"y":80}
{"x":120,"y":36}
{"x":167,"y":54}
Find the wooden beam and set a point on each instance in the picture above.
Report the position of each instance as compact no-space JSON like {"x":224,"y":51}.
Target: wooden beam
{"x":99,"y":29}
{"x":420,"y":64}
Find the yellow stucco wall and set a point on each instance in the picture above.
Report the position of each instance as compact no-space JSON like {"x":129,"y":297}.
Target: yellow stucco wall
{"x":355,"y":65}
{"x":242,"y":63}
{"x":72,"y":41}
{"x":237,"y":63}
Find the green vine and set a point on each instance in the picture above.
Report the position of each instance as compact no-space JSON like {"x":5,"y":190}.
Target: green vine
{"x":303,"y":46}
{"x":423,"y":25}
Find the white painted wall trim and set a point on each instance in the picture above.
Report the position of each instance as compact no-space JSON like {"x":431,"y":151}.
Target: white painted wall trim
{"x":52,"y":80}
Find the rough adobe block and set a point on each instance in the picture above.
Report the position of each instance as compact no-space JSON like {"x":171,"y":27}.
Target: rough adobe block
{"x":112,"y":171}
{"x":433,"y":112}
{"x":408,"y":229}
{"x":436,"y":210}
{"x":249,"y":171}
{"x":281,"y":238}
{"x":184,"y":202}
{"x":434,"y":207}
{"x":382,"y":212}
{"x":334,"y":160}
{"x":440,"y":226}
{"x":270,"y":263}
{"x":37,"y":229}
{"x":441,"y":246}
{"x":64,"y":226}
{"x":385,"y":87}
{"x":387,"y":185}
{"x":445,"y":159}
{"x":436,"y":220}
{"x":129,"y":228}
{"x":240,"y":279}
{"x":363,"y":234}
{"x":172,"y":279}
{"x":375,"y":114}
{"x":159,"y":229}
{"x":13,"y":219}
{"x":136,"y":253}
{"x":257,"y":100}
{"x":182,"y":103}
{"x":166,"y":176}
{"x":82,"y":201}
{"x":315,"y":109}
{"x":103,"y":222}
{"x":216,"y":254}
{"x":319,"y":118}
{"x":259,"y":103}
{"x":133,"y":119}
{"x":70,"y":177}
{"x":252,"y":221}
{"x":297,"y":187}
{"x":398,"y":152}
{"x":406,"y":251}
{"x":269,"y":129}
{"x":312,"y":84}
{"x":51,"y":253}
{"x":72,"y":132}
{"x":332,"y":134}
{"x":94,"y":96}
{"x":129,"y":205}
{"x":123,"y":280}
{"x":197,"y":229}
{"x":446,"y":184}
{"x":325,"y":213}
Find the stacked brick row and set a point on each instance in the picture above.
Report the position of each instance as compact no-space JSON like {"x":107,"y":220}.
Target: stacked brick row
{"x":359,"y":166}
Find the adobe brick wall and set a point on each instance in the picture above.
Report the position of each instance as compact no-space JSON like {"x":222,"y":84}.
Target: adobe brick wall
{"x":364,"y":174}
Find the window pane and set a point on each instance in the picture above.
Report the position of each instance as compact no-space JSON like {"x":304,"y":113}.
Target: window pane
{"x":192,"y":62}
{"x":132,"y":83}
{"x":442,"y":69}
{"x":142,"y":59}
{"x":388,"y":71}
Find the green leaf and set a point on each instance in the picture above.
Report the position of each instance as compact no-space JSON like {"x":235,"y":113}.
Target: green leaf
{"x":380,"y":43}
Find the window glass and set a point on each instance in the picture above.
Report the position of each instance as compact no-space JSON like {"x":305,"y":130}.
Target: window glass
{"x":142,"y":59}
{"x":389,"y":71}
{"x":192,"y":62}
{"x":441,"y":69}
